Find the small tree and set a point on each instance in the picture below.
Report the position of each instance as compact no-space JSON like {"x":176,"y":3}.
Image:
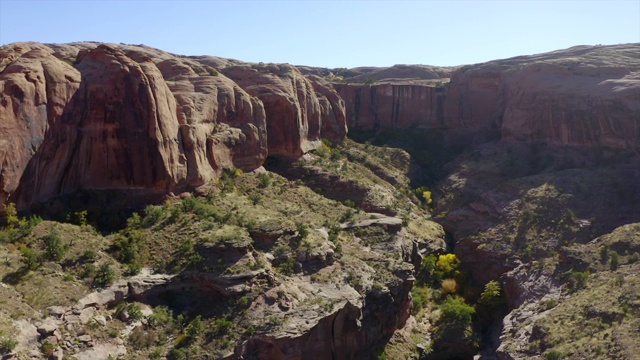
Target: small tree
{"x":447,"y":264}
{"x":194,"y":329}
{"x":303,"y":230}
{"x":104,"y":276}
{"x":455,"y":319}
{"x":615,"y":260}
{"x":54,"y":246}
{"x":30,"y":259}
{"x":490,"y":297}
{"x":604,"y":254}
{"x":13,"y":221}
{"x":264,"y":179}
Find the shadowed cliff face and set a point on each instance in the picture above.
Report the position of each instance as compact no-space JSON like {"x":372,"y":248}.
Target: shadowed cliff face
{"x":372,"y":107}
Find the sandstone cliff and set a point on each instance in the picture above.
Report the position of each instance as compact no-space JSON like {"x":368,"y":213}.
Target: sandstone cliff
{"x":132,"y":118}
{"x":586,"y":95}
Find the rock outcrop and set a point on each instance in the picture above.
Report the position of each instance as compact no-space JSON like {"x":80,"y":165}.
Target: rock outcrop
{"x":135,"y":119}
{"x":35,"y":89}
{"x":296,"y":113}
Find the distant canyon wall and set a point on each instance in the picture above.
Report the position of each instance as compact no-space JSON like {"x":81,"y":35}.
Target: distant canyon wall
{"x":585,"y":96}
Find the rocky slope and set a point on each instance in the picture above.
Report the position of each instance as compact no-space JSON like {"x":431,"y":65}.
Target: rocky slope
{"x":264,"y":275}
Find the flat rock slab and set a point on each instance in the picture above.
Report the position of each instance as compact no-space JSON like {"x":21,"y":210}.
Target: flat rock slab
{"x":102,"y":351}
{"x":388,"y":221}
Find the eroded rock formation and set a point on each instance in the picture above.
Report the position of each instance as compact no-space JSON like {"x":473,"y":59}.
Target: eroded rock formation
{"x":136,"y":119}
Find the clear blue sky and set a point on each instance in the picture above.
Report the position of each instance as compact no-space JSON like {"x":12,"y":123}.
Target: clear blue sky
{"x":329,"y":33}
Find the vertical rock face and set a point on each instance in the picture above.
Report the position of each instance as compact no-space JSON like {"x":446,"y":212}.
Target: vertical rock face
{"x":120,"y":118}
{"x":296,"y":114}
{"x":117,"y":133}
{"x":137,"y":119}
{"x":332,"y":110}
{"x":579,"y":96}
{"x":35,"y":88}
{"x":133,"y":117}
{"x":576,"y":105}
{"x":220,"y":125}
{"x":372,"y":107}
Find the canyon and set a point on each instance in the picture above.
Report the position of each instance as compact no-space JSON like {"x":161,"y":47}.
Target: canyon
{"x":515,"y":151}
{"x":139,"y":119}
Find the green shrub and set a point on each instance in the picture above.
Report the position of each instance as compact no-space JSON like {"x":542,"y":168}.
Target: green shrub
{"x":89,"y":256}
{"x":87,"y":271}
{"x":189,"y":204}
{"x":456,"y":312}
{"x":135,"y":312}
{"x":127,"y":248}
{"x":162,"y":316}
{"x":54,"y":249}
{"x":427,"y":268}
{"x":223,"y":326}
{"x":16,"y":227}
{"x":152,"y":215}
{"x":615,"y":260}
{"x":419,"y":298}
{"x":577,"y":280}
{"x":104,"y":276}
{"x":7,"y":345}
{"x":490,"y":297}
{"x":348,"y":215}
{"x":604,"y":254}
{"x":287,"y":267}
{"x":255,"y":198}
{"x":194,"y":329}
{"x":30,"y":258}
{"x":553,"y":355}
{"x":177,"y":354}
{"x":47,"y":349}
{"x":251,"y":330}
{"x":265,"y":180}
{"x":302,"y":229}
{"x":455,"y":320}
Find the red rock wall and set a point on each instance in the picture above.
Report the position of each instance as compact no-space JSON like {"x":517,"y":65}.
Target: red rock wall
{"x":573,"y":106}
{"x":138,"y":119}
{"x":585,"y":96}
{"x":372,"y":107}
{"x":297,"y":114}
